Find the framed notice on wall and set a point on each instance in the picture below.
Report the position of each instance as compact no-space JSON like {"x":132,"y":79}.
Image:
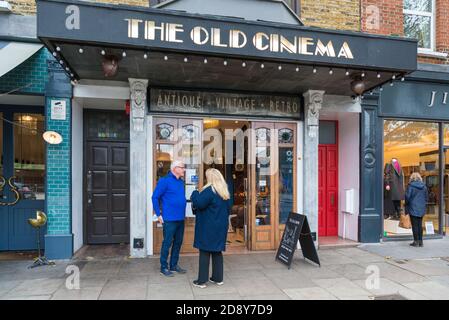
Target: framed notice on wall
{"x":58,"y":110}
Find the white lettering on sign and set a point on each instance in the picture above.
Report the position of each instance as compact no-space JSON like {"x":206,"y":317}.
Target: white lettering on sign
{"x":58,"y":110}
{"x":238,"y":39}
{"x":433,"y":96}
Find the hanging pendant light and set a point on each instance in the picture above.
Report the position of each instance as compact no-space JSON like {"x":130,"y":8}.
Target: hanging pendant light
{"x":52,"y":137}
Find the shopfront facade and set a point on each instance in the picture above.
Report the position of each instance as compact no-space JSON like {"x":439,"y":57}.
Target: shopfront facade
{"x":261,"y":102}
{"x":412,"y":135}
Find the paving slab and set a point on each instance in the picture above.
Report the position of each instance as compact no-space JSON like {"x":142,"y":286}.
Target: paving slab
{"x":91,"y":293}
{"x":314,"y":293}
{"x":267,"y":297}
{"x":213,"y":289}
{"x":395,"y":273}
{"x":36,"y":287}
{"x":444,"y":280}
{"x":350,"y":271}
{"x":250,"y":287}
{"x":426,"y":267}
{"x":296,"y":280}
{"x":433,"y":248}
{"x":6,"y":286}
{"x":39,"y":297}
{"x":388,"y":287}
{"x":228,"y":296}
{"x":341,"y":287}
{"x":430,"y":289}
{"x":173,"y":291}
{"x":119,"y":289}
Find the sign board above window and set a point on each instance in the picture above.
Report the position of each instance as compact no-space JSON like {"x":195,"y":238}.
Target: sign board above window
{"x":225,"y":104}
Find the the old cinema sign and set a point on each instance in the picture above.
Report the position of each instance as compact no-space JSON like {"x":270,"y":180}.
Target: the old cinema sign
{"x":236,"y":39}
{"x":137,"y":28}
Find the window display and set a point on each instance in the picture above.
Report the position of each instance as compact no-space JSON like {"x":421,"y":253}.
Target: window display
{"x":409,"y":146}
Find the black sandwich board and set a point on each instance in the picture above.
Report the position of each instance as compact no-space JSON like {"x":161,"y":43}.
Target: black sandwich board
{"x":296,"y":228}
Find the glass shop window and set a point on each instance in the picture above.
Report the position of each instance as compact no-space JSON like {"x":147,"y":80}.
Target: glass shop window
{"x":29,"y":156}
{"x":419,"y":20}
{"x":410,"y":147}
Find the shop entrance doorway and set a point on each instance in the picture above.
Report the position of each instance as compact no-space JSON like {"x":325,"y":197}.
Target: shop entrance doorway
{"x":106,"y":177}
{"x":328,"y":180}
{"x":257,"y":160}
{"x":233,"y":166}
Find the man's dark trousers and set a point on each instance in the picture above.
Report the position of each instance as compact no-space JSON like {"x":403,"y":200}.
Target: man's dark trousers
{"x":173,"y":232}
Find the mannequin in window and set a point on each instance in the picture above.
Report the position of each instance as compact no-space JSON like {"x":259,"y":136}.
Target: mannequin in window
{"x":394,"y":189}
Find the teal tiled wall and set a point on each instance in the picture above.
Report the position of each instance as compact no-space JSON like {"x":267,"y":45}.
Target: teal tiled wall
{"x":58,"y":174}
{"x":30,"y":76}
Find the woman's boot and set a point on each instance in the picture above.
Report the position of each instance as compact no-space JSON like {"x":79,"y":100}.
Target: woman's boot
{"x":420,"y":243}
{"x":414,"y":244}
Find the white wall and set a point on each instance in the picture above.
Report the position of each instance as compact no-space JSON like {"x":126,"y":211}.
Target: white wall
{"x":346,"y":111}
{"x":349,"y":169}
{"x":77,"y":173}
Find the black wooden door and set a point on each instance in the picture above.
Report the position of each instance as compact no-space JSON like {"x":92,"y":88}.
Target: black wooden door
{"x":107,"y":192}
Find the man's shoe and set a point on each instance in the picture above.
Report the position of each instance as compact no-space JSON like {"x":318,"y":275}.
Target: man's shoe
{"x":178,"y":269}
{"x":167,"y":273}
{"x":420,"y":243}
{"x":414,"y":244}
{"x":217,"y":283}
{"x":199,"y":285}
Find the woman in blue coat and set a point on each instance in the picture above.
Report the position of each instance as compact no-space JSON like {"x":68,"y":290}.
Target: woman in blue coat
{"x":416,"y":198}
{"x":212,"y":208}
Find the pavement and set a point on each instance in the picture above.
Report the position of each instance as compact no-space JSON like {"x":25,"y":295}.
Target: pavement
{"x":382,"y":271}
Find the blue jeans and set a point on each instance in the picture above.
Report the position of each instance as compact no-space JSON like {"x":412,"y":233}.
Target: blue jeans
{"x":173,"y":232}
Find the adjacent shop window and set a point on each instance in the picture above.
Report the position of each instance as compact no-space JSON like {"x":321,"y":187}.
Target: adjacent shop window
{"x":419,"y":20}
{"x":29,"y":156}
{"x":410,"y":146}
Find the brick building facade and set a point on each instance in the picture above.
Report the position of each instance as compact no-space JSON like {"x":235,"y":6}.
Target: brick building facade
{"x":384,"y":18}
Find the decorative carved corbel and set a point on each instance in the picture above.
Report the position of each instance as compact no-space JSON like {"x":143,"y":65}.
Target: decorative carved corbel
{"x":313,"y":100}
{"x":138,"y":103}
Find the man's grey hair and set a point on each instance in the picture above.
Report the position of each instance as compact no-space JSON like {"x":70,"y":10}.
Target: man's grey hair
{"x":176,"y":163}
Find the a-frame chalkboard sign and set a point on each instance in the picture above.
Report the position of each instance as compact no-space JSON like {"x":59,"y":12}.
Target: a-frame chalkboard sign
{"x":296,"y":228}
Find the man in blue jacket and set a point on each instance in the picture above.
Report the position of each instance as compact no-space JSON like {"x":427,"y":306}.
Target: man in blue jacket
{"x":170,"y":192}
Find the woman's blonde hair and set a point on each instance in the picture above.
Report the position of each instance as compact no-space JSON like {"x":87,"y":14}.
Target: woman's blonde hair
{"x":415,"y":176}
{"x":217,"y":182}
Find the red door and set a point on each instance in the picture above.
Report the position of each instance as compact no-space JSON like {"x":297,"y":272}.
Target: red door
{"x":327,"y":190}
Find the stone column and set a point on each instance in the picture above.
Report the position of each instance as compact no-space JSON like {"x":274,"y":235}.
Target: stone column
{"x":313,"y":100}
{"x":138,"y":170}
